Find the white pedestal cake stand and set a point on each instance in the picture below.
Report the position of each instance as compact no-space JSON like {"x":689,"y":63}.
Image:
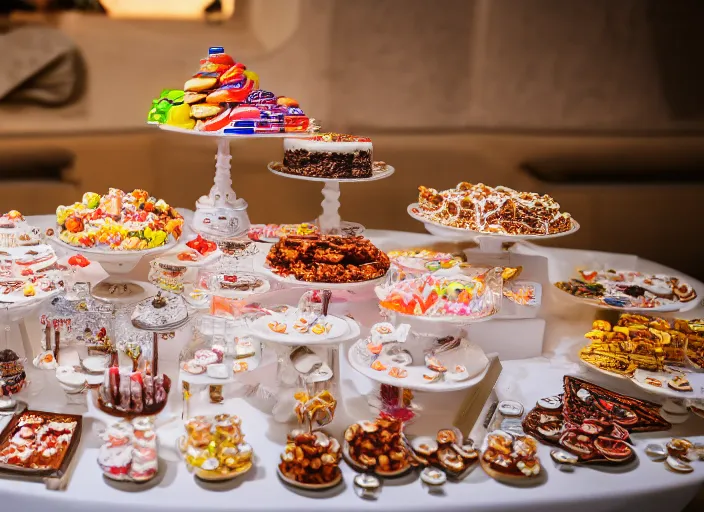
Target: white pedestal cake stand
{"x":330,"y":346}
{"x":221,"y":214}
{"x":330,"y":221}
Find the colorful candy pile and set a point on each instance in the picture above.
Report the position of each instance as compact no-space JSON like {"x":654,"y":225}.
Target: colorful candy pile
{"x":118,"y":220}
{"x":433,"y":295}
{"x":224,"y":96}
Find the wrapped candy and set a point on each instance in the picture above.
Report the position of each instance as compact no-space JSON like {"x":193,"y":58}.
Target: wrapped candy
{"x":125,"y":391}
{"x":472,"y":293}
{"x":161,"y":106}
{"x":160,"y":392}
{"x":113,"y":383}
{"x":148,"y":390}
{"x":136,"y":384}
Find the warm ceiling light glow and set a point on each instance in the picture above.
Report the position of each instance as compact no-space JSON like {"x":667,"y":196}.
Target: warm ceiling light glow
{"x":164,"y":9}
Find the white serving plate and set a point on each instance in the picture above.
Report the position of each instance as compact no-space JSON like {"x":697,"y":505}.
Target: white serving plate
{"x":605,"y":372}
{"x":669,"y":308}
{"x":260,"y":328}
{"x":292,"y":281}
{"x":440,"y":319}
{"x":415,"y":380}
{"x":696,"y":380}
{"x":680,"y":307}
{"x":19,"y":252}
{"x":222,"y":135}
{"x":353,"y":332}
{"x":171,"y":257}
{"x":460,"y":233}
{"x":236,"y":294}
{"x":377,"y":174}
{"x":309,"y":487}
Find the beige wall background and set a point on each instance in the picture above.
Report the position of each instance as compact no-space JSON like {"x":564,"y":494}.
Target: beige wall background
{"x":450,"y":90}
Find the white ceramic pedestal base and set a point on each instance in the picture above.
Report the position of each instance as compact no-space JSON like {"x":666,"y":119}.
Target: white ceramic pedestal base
{"x":221,"y":214}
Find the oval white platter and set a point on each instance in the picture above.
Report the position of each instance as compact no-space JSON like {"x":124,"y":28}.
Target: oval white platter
{"x":696,"y":380}
{"x":352,"y":332}
{"x":377,"y":174}
{"x":451,"y":232}
{"x":670,"y":308}
{"x":17,"y":299}
{"x":605,"y":372}
{"x":203,"y":379}
{"x":17,"y":253}
{"x":414,"y":380}
{"x":260,"y":328}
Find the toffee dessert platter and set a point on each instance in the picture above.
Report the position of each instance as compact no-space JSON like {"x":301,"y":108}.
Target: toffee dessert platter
{"x":298,"y":334}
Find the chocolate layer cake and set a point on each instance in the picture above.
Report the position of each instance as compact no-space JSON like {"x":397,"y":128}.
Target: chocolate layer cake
{"x":329,"y":155}
{"x":328,"y":259}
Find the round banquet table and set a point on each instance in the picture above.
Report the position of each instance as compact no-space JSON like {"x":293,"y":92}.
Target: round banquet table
{"x":644,"y":487}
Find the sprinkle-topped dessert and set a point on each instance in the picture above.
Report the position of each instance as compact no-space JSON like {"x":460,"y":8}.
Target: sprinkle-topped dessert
{"x":499,"y":209}
{"x":329,"y":155}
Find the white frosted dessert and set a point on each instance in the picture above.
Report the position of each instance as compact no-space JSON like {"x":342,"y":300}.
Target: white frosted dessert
{"x":329,"y":155}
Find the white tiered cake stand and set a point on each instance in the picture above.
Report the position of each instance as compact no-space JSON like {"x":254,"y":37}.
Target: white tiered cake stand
{"x":221,"y":214}
{"x":330,"y":222}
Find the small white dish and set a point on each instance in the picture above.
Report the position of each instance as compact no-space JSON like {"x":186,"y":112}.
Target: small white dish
{"x":510,"y":408}
{"x":218,"y":371}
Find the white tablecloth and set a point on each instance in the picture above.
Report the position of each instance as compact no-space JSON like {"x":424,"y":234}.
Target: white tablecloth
{"x":647,"y":486}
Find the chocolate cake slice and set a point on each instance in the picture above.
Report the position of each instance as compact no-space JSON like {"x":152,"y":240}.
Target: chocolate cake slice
{"x":329,"y":155}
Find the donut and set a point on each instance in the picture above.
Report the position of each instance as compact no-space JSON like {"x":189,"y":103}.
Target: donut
{"x":200,"y":83}
{"x":193,"y":97}
{"x":205,"y":110}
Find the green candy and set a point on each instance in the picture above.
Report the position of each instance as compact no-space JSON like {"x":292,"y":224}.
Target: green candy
{"x":161,"y":106}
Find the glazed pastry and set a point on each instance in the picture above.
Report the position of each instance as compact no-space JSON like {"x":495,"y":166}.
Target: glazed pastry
{"x":311,"y":458}
{"x":377,"y":446}
{"x":638,"y":341}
